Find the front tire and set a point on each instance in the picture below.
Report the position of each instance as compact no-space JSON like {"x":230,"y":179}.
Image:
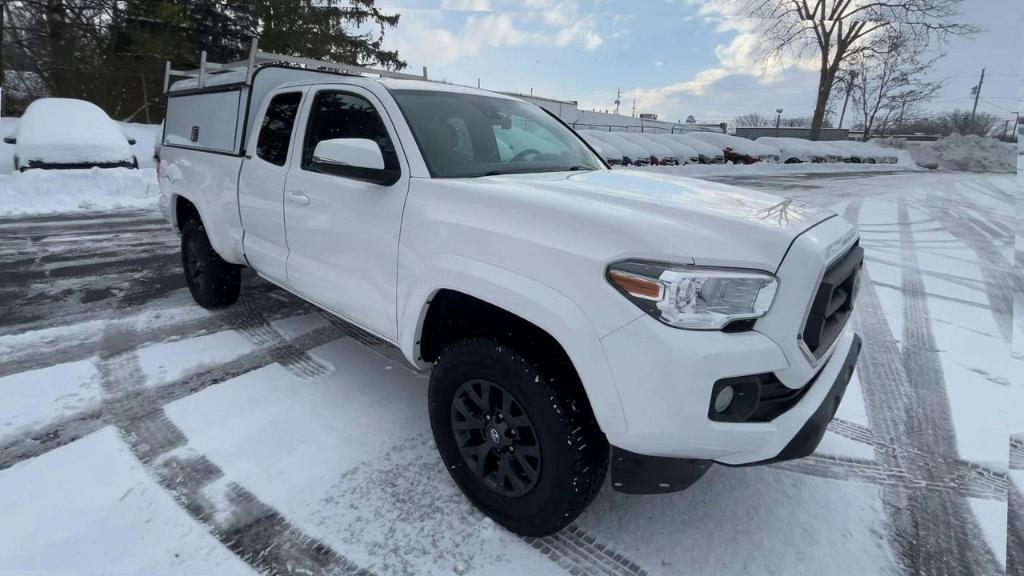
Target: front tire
{"x":213,"y":282}
{"x":526,"y":452}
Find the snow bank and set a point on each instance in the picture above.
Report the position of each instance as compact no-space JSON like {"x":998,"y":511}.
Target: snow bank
{"x":53,"y":191}
{"x":145,"y":135}
{"x":68,"y":131}
{"x":958,"y":153}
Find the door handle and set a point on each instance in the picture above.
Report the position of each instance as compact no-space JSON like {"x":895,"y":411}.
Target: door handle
{"x":297,"y":197}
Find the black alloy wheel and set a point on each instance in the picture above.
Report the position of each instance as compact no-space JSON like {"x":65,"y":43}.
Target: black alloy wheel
{"x":495,"y":438}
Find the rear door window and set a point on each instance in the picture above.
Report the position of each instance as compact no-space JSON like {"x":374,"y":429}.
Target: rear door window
{"x":276,"y":130}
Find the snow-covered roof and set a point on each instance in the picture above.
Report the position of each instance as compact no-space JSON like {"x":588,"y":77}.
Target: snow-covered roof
{"x":68,"y":131}
{"x":654,"y":147}
{"x":628,"y":148}
{"x":698,"y":144}
{"x":608,"y":151}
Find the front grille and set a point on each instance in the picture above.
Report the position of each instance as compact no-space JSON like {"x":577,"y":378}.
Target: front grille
{"x":833,"y":302}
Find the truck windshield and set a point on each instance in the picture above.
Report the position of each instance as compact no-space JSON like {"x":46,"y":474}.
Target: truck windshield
{"x":466,"y":136}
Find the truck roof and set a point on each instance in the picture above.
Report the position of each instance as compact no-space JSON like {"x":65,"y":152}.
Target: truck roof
{"x":303,"y":77}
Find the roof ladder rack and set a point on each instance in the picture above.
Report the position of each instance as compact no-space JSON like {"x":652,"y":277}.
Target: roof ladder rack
{"x":257,"y":58}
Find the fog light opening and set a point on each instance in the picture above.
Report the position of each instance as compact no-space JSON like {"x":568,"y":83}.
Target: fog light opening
{"x":724,"y":399}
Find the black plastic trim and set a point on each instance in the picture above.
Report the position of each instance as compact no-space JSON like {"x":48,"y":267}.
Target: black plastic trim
{"x":807,"y":439}
{"x":233,"y":87}
{"x":639,"y":474}
{"x":41,"y":165}
{"x":207,"y":150}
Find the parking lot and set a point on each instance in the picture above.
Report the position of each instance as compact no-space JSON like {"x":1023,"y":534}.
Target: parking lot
{"x":143,"y":434}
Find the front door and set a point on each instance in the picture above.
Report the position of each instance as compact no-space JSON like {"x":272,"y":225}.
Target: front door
{"x":261,"y":186}
{"x":342,"y":229}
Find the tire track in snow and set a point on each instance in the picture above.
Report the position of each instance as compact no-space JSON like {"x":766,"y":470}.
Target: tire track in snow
{"x":248,"y":318}
{"x":1015,"y":512}
{"x":579,"y":553}
{"x":56,"y":434}
{"x":932,"y":531}
{"x":851,"y":431}
{"x":996,"y":272}
{"x":252,"y":530}
{"x":30,"y":358}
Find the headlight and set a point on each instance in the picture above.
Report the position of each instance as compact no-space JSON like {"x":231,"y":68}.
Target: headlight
{"x":693,"y":297}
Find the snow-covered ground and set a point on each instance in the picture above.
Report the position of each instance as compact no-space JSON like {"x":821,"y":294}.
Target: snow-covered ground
{"x":140,"y":433}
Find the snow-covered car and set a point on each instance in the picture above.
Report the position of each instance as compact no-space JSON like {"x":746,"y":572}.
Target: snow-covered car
{"x":709,"y":154}
{"x":739,"y":150}
{"x":573,"y":318}
{"x":633,"y":155}
{"x":660,"y":154}
{"x":865,"y":152}
{"x":795,"y":150}
{"x":68,"y":133}
{"x":685,"y":154}
{"x":612,"y":155}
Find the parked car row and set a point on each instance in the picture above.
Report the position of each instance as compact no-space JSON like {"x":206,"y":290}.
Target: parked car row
{"x":643,"y":149}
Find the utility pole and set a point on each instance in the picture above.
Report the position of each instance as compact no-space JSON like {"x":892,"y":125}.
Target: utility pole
{"x":977,"y":94}
{"x":849,"y":88}
{"x":618,"y":100}
{"x":634,"y":107}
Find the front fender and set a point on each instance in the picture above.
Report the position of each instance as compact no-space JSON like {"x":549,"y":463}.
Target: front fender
{"x":537,"y":303}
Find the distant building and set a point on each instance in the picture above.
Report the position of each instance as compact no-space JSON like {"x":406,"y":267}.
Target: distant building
{"x":786,"y":132}
{"x":569,"y":112}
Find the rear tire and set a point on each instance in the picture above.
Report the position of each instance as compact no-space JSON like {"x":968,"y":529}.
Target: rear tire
{"x":213,"y":282}
{"x":563,"y":455}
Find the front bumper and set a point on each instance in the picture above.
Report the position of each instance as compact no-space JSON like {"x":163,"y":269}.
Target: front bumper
{"x":642,"y":474}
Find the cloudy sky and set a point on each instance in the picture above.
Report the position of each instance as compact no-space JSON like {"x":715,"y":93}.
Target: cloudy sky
{"x":676,"y":57}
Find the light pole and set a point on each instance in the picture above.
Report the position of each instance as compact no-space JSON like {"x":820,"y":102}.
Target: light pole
{"x":778,"y":120}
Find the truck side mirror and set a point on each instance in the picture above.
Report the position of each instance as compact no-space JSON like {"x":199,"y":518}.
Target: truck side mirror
{"x":356,"y":158}
{"x":10,"y":140}
{"x":354,"y":152}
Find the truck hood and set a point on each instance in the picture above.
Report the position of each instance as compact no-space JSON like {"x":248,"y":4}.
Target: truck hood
{"x":669,"y":217}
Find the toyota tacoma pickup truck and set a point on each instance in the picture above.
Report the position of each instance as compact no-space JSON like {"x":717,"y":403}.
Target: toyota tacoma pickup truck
{"x":574,"y":318}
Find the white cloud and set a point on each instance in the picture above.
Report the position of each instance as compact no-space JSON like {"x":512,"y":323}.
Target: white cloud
{"x":423,"y":37}
{"x":466,"y":5}
{"x":738,"y":59}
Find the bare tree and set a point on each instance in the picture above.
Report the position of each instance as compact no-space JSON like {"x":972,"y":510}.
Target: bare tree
{"x":835,"y":31}
{"x":752,"y":120}
{"x":755,"y":120}
{"x":887,"y":81}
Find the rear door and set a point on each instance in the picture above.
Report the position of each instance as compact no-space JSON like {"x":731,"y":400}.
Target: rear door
{"x":343,"y":229}
{"x":261,"y":184}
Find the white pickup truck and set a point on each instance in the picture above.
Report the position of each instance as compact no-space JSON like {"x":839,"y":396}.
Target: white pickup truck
{"x":574,"y":317}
